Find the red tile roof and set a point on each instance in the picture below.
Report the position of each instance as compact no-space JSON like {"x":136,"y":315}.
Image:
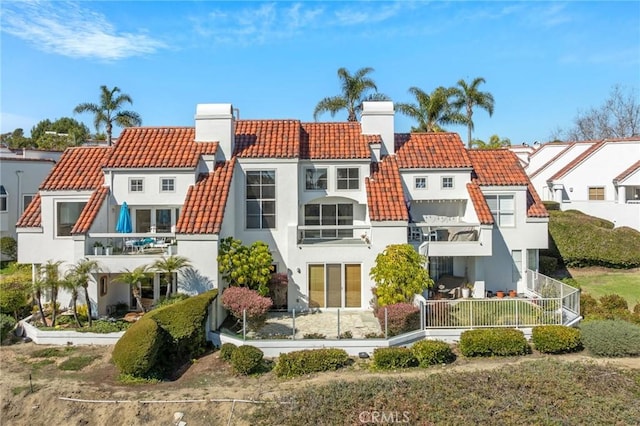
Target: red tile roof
{"x":31,"y":216}
{"x":384,"y":192}
{"x":480,"y":204}
{"x":155,"y":147}
{"x":335,"y":141}
{"x":535,"y":208}
{"x":622,"y":176}
{"x":499,"y":167}
{"x":78,"y":168}
{"x":90,"y":211}
{"x":431,"y":150}
{"x":267,"y":138}
{"x":205,"y":203}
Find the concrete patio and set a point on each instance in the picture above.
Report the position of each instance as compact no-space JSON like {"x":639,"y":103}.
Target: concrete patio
{"x":359,"y":323}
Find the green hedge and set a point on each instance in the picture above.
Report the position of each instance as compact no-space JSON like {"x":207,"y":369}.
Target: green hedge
{"x":246,"y":359}
{"x":299,"y":363}
{"x":493,"y":342}
{"x":548,"y":265}
{"x":556,"y":339}
{"x":226,"y":350}
{"x":611,"y":338}
{"x":581,"y":240}
{"x":393,"y":358}
{"x":432,"y":352}
{"x":136,"y":352}
{"x":7,"y":322}
{"x":177,"y":334}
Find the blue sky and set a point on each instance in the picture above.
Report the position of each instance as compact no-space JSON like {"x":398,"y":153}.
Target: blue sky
{"x":542,"y":61}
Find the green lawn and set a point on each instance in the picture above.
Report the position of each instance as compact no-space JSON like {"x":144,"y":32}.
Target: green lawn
{"x":625,"y":284}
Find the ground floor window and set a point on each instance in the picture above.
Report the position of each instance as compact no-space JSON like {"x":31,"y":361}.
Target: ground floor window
{"x":532,"y":259}
{"x":517,"y":265}
{"x":335,"y":285}
{"x":439,"y":266}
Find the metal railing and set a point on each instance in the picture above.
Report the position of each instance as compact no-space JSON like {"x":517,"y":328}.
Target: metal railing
{"x":541,"y":286}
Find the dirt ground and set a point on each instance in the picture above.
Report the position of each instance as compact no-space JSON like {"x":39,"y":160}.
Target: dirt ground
{"x":208,"y":379}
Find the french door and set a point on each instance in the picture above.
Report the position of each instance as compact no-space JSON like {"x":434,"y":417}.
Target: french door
{"x":335,"y":285}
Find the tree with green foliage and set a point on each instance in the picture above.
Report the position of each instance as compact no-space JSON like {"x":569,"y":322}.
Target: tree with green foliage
{"x":82,"y":272}
{"x":16,"y":139}
{"x":14,"y":290}
{"x":71,"y":283}
{"x":170,"y":266}
{"x":50,"y":273}
{"x":468,"y":96}
{"x":432,"y":111}
{"x":109,"y":111}
{"x":59,"y":134}
{"x":494,"y":143}
{"x":9,"y":248}
{"x":399,"y":274}
{"x":355,"y":91}
{"x":246,"y":266}
{"x":133,"y":279}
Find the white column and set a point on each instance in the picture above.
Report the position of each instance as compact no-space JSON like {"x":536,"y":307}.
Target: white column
{"x":622,"y":194}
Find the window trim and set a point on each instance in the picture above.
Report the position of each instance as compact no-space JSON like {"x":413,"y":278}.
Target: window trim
{"x":260,"y":200}
{"x":4,"y":195}
{"x":420,"y":188}
{"x":589,"y":188}
{"x":348,"y":179}
{"x":453,"y":182}
{"x":173,"y":184}
{"x":330,"y":227}
{"x":57,"y":216}
{"x":326,"y":178}
{"x":131,"y":179}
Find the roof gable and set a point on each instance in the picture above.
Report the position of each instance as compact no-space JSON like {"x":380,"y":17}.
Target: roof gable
{"x":78,"y":168}
{"x":31,"y":217}
{"x":384,"y":192}
{"x":431,"y":150}
{"x":628,"y":172}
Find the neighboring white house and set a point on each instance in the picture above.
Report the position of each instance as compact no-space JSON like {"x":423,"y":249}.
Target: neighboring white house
{"x":600,"y":178}
{"x":326,"y":197}
{"x":21,"y":173}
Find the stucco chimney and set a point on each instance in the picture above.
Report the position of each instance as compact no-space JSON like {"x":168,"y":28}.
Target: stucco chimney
{"x":377,"y":119}
{"x":215,"y":123}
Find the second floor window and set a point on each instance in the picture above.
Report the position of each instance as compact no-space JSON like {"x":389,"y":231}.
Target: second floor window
{"x":447,"y":182}
{"x":348,"y":178}
{"x":596,"y":193}
{"x":167,"y":184}
{"x":261,"y":199}
{"x":329,"y":216}
{"x":3,"y":199}
{"x":421,"y":182}
{"x":67,"y":214}
{"x":315,"y":179}
{"x":136,"y":185}
{"x":26,"y":200}
{"x":502,"y":208}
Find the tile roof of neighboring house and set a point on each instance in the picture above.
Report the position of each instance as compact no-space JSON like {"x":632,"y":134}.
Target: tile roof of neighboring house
{"x":31,"y":216}
{"x":384,"y":192}
{"x":267,"y":138}
{"x":155,"y":147}
{"x":502,"y":168}
{"x":335,"y":141}
{"x":78,"y":168}
{"x":586,"y":154}
{"x":622,"y":176}
{"x":90,"y":211}
{"x":480,"y":204}
{"x":499,"y":167}
{"x":431,"y":150}
{"x":204,"y":205}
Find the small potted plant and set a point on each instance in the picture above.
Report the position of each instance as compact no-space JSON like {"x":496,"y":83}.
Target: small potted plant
{"x":513,"y":293}
{"x":467,"y":289}
{"x":500,"y":294}
{"x":108,"y":250}
{"x":97,"y":248}
{"x":172,"y":248}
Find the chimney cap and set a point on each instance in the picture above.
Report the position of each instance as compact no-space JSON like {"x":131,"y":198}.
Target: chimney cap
{"x":377,"y":107}
{"x":214,"y":110}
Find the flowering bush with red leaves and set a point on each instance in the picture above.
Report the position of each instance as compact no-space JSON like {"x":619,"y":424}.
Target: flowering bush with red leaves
{"x":401,"y":318}
{"x":239,"y":299}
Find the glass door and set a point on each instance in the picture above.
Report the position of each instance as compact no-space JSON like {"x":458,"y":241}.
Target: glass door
{"x":335,"y":285}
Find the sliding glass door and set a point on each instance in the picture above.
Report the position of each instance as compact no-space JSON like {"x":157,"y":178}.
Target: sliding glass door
{"x":335,"y":285}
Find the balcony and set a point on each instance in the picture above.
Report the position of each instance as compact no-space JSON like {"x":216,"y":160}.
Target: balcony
{"x":452,"y":237}
{"x":118,"y":251}
{"x":340,"y":234}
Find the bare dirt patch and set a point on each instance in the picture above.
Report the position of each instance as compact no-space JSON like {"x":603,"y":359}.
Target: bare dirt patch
{"x":208,"y":378}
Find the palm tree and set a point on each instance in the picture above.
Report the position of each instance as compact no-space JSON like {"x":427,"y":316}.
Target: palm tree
{"x":82,"y":272}
{"x":133,"y":278}
{"x":469,"y":97}
{"x":432,"y":110}
{"x":354,"y":92}
{"x":494,"y":142}
{"x":71,"y":283}
{"x":51,"y":281}
{"x":170,"y":265}
{"x":108,"y":111}
{"x":37,"y":287}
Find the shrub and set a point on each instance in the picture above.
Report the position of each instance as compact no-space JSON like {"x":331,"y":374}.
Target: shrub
{"x":101,"y":326}
{"x":588,"y":305}
{"x":9,"y":247}
{"x":493,"y":342}
{"x":246,"y":359}
{"x":613,"y":302}
{"x":401,"y":318}
{"x":392,"y":358}
{"x":432,"y":352}
{"x":299,"y":363}
{"x":611,"y":338}
{"x":556,"y":339}
{"x":136,"y":352}
{"x":7,"y":323}
{"x":177,"y":297}
{"x":239,"y":299}
{"x":551,"y":205}
{"x":548,"y":265}
{"x":226,"y":350}
{"x":14,"y":291}
{"x":314,"y":336}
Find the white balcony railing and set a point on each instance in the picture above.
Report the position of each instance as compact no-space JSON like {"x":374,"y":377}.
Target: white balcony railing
{"x":357,"y":234}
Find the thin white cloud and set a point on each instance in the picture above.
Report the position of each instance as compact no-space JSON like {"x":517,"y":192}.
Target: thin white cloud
{"x":69,"y":29}
{"x":9,"y":122}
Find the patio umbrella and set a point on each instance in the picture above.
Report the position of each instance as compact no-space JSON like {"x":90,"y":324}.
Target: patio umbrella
{"x":124,"y":220}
